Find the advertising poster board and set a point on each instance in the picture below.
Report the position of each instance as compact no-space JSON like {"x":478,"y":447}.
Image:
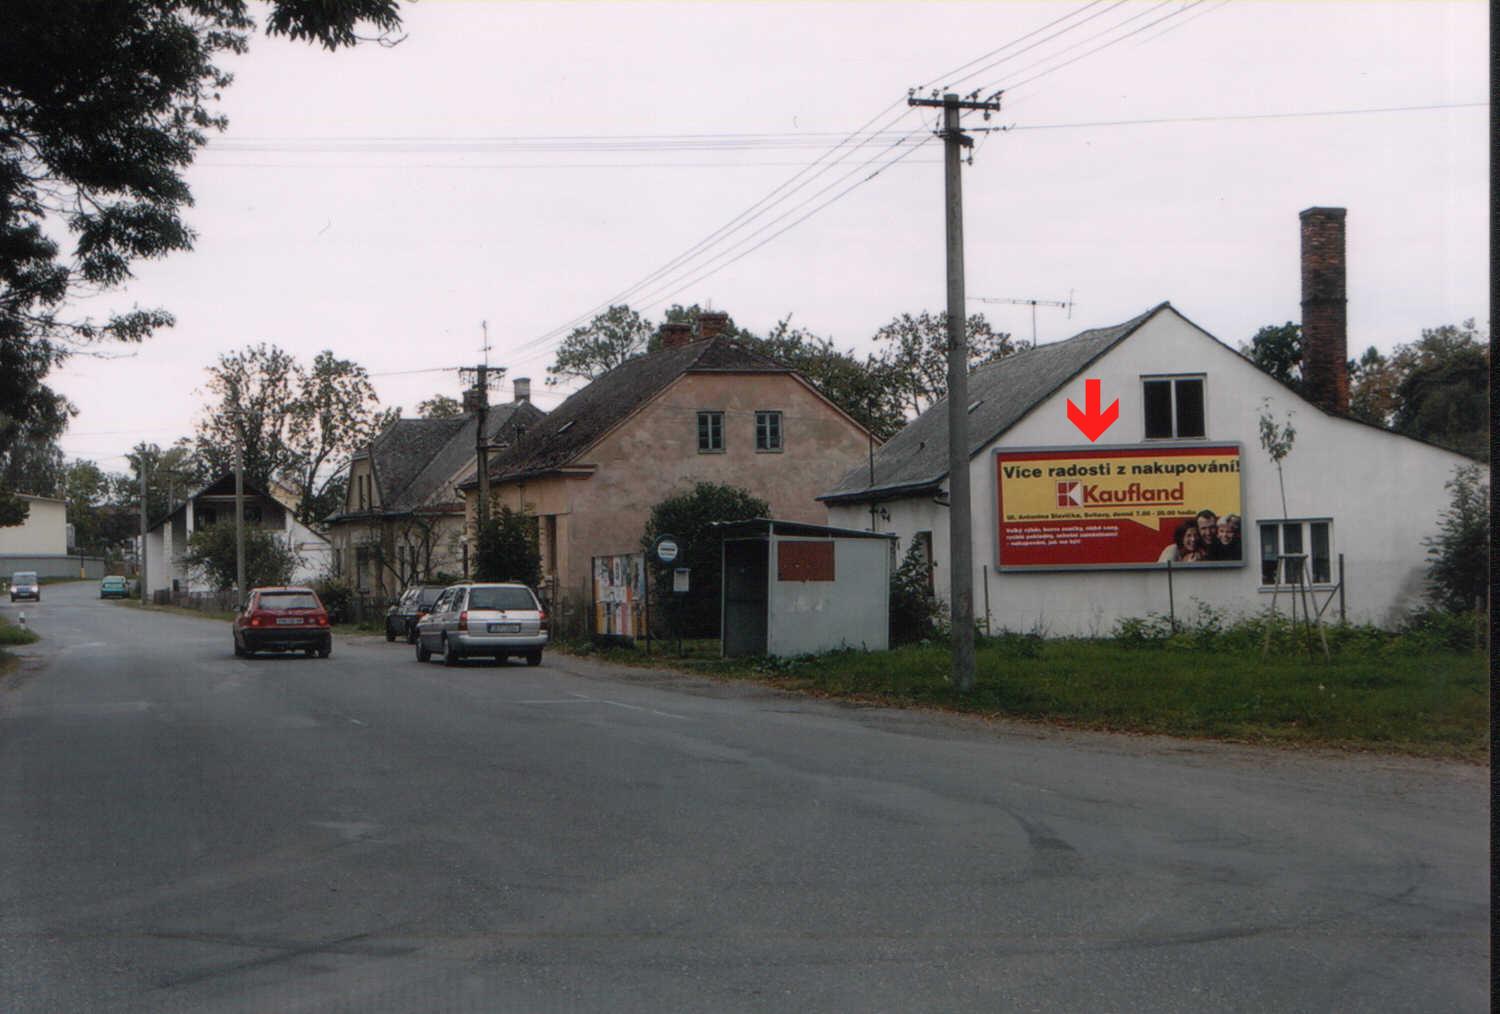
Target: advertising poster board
{"x":1099,"y":508}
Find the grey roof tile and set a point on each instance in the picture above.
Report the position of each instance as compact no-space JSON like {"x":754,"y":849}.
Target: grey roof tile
{"x":577,"y":423}
{"x":917,"y":457}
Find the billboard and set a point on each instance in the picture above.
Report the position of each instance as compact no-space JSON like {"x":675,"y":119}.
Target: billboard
{"x":1094,"y":508}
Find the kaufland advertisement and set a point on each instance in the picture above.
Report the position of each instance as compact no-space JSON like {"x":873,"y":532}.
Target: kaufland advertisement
{"x":1103,"y":507}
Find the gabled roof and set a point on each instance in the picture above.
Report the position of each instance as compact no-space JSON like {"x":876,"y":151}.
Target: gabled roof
{"x":221,"y":485}
{"x":576,"y":424}
{"x":433,"y":484}
{"x":405,"y":448}
{"x":1002,"y":392}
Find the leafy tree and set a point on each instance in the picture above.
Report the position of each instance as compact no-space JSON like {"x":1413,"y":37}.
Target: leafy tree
{"x":1459,"y":554}
{"x":301,"y":426}
{"x":103,"y":106}
{"x":916,"y":354}
{"x":688,"y":516}
{"x":507,"y":549}
{"x":1277,"y":349}
{"x":1372,"y":388}
{"x":1442,"y":393}
{"x":864,"y":390}
{"x":269,"y":558}
{"x":440,"y":406}
{"x":605,"y":342}
{"x":86,"y":489}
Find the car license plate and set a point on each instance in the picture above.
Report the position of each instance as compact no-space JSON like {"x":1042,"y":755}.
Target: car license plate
{"x":505,"y":628}
{"x":287,"y":620}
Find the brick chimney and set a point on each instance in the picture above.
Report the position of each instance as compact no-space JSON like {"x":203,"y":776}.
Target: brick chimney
{"x":675,"y":335}
{"x":1325,"y":332}
{"x":522,"y":388}
{"x":711,"y":323}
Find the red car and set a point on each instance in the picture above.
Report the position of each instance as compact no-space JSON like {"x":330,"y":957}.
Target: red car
{"x":283,"y":619}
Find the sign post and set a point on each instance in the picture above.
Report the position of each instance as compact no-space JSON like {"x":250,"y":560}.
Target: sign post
{"x":665,"y":549}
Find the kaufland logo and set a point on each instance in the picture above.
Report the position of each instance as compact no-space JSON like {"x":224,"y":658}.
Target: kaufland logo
{"x":1070,"y":494}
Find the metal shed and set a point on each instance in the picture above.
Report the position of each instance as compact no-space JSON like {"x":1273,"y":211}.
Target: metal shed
{"x":796,"y":589}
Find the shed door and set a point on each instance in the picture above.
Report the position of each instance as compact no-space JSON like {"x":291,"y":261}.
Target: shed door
{"x":746,"y":597}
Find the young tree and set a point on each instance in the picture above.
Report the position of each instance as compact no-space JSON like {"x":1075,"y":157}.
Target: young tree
{"x":269,"y":559}
{"x":612,"y":337}
{"x":1458,"y":563}
{"x":103,"y":107}
{"x":440,"y":406}
{"x":507,"y":549}
{"x":688,"y":516}
{"x":1276,"y":439}
{"x":916,"y":354}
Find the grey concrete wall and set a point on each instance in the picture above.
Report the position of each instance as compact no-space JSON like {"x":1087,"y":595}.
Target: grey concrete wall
{"x":52,"y":566}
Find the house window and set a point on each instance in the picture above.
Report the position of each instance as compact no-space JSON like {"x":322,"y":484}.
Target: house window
{"x":1174,"y":407}
{"x":768,"y":431}
{"x":206,"y":516}
{"x":252,"y":514}
{"x":1287,"y":547}
{"x":710,"y":432}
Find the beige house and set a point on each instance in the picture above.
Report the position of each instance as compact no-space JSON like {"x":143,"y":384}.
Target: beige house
{"x":699,"y":410}
{"x":403,"y":519}
{"x":43,"y":533}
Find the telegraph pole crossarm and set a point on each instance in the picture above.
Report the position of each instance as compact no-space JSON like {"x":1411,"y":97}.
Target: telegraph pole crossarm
{"x":960,"y":504}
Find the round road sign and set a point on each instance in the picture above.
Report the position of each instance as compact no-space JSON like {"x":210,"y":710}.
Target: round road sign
{"x":666,"y":548}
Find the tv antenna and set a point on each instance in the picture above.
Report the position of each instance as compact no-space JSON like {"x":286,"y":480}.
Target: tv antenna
{"x":1033,"y":303}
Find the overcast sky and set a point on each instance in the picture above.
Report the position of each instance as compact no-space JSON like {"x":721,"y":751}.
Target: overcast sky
{"x":525,"y":164}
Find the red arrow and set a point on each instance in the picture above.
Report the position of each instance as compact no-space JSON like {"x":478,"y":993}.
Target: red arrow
{"x":1093,"y":423}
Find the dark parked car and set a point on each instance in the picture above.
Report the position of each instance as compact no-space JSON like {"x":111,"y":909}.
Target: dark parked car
{"x":24,"y":585}
{"x":283,"y":619}
{"x":401,"y":618}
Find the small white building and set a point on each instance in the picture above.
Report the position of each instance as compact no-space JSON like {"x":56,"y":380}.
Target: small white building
{"x":1070,"y":536}
{"x":791,"y":588}
{"x":43,"y":533}
{"x":167,"y":539}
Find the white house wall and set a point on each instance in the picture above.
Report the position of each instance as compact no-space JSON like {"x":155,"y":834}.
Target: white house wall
{"x":1383,"y":493}
{"x":850,"y":611}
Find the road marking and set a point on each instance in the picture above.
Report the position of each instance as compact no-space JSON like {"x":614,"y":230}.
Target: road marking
{"x":622,"y":704}
{"x":356,"y":721}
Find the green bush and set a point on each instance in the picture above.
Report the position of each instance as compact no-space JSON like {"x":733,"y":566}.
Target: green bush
{"x":916,"y":615}
{"x":338,"y":598}
{"x":507,"y":549}
{"x":689,"y":517}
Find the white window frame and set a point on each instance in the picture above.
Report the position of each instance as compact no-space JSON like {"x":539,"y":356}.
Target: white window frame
{"x":1305,"y":524}
{"x":713,"y":415}
{"x":1146,"y":378}
{"x":770,"y":415}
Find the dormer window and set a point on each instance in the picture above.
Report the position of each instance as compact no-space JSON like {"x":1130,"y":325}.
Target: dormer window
{"x":1174,"y":407}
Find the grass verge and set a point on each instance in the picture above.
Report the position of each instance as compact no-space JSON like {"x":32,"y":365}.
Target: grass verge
{"x":12,"y":634}
{"x":1431,"y":703}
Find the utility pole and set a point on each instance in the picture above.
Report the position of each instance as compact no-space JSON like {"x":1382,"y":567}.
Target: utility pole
{"x":140,"y":462}
{"x":477,"y":398}
{"x":239,"y":523}
{"x":960,"y":505}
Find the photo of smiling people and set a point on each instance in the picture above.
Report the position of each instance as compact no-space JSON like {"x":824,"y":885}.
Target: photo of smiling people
{"x":1204,"y":537}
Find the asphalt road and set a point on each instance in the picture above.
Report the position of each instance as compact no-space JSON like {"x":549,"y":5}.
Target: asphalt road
{"x":181,"y":830}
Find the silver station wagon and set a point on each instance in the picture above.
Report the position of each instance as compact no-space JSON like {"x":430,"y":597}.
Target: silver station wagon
{"x":494,"y":620}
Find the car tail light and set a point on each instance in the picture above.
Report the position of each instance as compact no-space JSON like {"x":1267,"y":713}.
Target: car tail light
{"x":463,"y":620}
{"x":542,"y":620}
{"x":256,"y":620}
{"x":322,"y":619}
